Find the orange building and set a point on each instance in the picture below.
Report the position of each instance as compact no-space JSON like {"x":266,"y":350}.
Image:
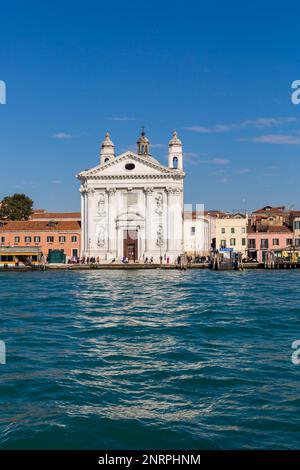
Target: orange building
{"x":48,"y":234}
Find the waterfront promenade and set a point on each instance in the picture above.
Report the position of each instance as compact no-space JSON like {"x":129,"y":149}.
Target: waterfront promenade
{"x":118,"y":266}
{"x":141,"y":266}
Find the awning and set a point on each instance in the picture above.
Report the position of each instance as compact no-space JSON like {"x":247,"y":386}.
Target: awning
{"x":20,"y":250}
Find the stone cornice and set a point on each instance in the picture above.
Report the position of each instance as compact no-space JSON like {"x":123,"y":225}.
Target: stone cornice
{"x":144,"y":176}
{"x":96,"y":172}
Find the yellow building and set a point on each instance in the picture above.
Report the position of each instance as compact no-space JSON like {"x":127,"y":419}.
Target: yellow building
{"x":295,"y":225}
{"x":231,"y":232}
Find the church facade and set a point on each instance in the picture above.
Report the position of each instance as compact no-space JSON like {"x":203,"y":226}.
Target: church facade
{"x":132,"y":206}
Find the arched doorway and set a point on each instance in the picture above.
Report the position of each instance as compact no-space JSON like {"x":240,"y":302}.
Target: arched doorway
{"x":130,"y":235}
{"x":130,"y":247}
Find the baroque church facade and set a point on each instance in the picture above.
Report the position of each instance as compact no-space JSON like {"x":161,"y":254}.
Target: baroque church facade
{"x":132,"y":206}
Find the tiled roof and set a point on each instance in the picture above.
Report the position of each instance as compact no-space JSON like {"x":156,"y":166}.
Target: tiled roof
{"x":267,"y":209}
{"x":39,"y":226}
{"x":215,"y":213}
{"x":55,"y":215}
{"x":233,"y":216}
{"x":269,"y":229}
{"x":194,"y":214}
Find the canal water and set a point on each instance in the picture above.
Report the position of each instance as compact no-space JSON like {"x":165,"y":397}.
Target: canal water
{"x":149,"y":359}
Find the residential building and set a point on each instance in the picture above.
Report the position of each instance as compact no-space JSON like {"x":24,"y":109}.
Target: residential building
{"x":268,"y":215}
{"x":263,"y":240}
{"x":46,"y":235}
{"x":211,"y":217}
{"x":231,"y":233}
{"x":295,"y":226}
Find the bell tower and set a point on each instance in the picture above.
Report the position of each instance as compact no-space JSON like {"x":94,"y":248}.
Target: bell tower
{"x":143,"y":144}
{"x":107,"y":152}
{"x":175,"y":153}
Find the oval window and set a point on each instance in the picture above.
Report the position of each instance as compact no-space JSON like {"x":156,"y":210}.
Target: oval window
{"x":130,"y":166}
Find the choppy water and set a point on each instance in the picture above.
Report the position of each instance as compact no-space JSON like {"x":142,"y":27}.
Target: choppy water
{"x":149,"y":359}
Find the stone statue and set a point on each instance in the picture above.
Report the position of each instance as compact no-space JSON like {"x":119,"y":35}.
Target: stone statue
{"x":101,"y":205}
{"x":159,"y":204}
{"x":101,"y":236}
{"x":160,"y":236}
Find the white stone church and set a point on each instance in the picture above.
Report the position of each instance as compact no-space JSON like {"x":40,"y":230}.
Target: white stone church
{"x":132,"y":206}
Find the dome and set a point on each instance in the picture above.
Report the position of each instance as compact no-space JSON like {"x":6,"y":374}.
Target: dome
{"x":143,"y":144}
{"x":107,"y":142}
{"x":175,"y":140}
{"x":143,"y":139}
{"x":107,"y":151}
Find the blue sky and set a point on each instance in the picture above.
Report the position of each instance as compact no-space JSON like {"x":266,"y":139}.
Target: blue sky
{"x":219,"y":72}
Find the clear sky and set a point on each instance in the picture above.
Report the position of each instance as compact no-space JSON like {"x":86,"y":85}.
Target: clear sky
{"x":219,"y":72}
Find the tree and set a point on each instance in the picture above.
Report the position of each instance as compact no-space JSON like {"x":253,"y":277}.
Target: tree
{"x":16,"y":207}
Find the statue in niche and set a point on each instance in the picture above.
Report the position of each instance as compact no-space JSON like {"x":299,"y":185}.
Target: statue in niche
{"x":101,"y":236}
{"x":101,"y":205}
{"x":159,"y":204}
{"x":160,"y":236}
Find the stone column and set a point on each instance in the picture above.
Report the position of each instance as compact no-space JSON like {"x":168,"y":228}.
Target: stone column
{"x":111,"y":228}
{"x":85,"y":221}
{"x":170,"y":219}
{"x":90,"y":220}
{"x":82,"y":204}
{"x":148,"y":209}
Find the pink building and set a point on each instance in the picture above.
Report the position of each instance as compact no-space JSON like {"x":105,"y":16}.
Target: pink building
{"x":267,"y":239}
{"x":63,"y":235}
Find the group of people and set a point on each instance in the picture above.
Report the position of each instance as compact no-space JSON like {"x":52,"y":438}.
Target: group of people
{"x":147,"y":260}
{"x":84,"y":260}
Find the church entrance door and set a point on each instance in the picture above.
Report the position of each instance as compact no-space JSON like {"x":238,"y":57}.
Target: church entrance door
{"x":131,"y":244}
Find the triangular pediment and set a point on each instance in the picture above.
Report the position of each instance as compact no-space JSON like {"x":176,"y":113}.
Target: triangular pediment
{"x":130,"y":215}
{"x":129,"y":164}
